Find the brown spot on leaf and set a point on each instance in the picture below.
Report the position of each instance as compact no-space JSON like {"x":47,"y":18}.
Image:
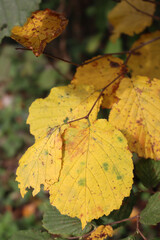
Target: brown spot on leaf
{"x":95,"y":64}
{"x":114,"y":64}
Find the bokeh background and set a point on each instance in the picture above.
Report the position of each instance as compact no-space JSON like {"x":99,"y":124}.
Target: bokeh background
{"x":23,"y":78}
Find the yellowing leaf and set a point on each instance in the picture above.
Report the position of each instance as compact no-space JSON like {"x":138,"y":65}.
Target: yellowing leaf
{"x":97,"y":171}
{"x":41,"y":163}
{"x":101,"y":233}
{"x":126,"y":19}
{"x":147,"y":60}
{"x":137,"y":115}
{"x":41,"y":28}
{"x":63,"y":104}
{"x":100,"y":73}
{"x":109,"y":98}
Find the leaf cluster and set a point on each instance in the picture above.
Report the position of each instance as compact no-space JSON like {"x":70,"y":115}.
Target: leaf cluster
{"x":84,"y":162}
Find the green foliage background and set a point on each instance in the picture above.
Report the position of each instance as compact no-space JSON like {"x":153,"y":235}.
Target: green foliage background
{"x":23,"y":78}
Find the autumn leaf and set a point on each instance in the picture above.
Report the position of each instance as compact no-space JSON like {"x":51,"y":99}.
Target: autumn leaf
{"x":41,"y":28}
{"x":101,"y":233}
{"x":146,"y":60}
{"x":126,"y":19}
{"x":137,"y":115}
{"x":100,"y":73}
{"x":41,"y":163}
{"x":63,"y":104}
{"x":97,"y":171}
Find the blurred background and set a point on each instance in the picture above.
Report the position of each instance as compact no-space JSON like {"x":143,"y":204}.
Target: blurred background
{"x":23,"y":78}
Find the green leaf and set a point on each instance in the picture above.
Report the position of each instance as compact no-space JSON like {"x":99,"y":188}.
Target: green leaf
{"x":55,"y":223}
{"x":13,"y":12}
{"x":30,"y":235}
{"x":148,"y":171}
{"x":151,"y":214}
{"x":132,"y":237}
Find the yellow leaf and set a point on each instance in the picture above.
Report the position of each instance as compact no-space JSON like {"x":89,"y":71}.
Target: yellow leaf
{"x":101,"y":233}
{"x":100,"y":73}
{"x":137,"y":115}
{"x":147,"y":60}
{"x":126,"y":19}
{"x":62,"y":105}
{"x":41,"y":28}
{"x":97,"y":171}
{"x":41,"y":163}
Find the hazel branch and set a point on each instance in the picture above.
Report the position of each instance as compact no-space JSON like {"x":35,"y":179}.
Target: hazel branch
{"x":143,"y":12}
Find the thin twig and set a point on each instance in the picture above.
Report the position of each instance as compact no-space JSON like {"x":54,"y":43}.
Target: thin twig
{"x":88,"y":114}
{"x":138,"y":229}
{"x":123,"y":220}
{"x":144,"y":44}
{"x":130,"y":52}
{"x":64,"y":60}
{"x":139,"y":10}
{"x":104,"y":55}
{"x":151,"y":1}
{"x":51,"y":56}
{"x":112,"y":223}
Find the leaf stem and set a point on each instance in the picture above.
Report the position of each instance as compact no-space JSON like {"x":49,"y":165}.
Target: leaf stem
{"x":138,"y":229}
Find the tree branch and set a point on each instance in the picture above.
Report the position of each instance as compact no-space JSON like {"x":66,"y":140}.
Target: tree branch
{"x":138,"y":229}
{"x":50,"y":56}
{"x":151,"y":1}
{"x":139,"y":10}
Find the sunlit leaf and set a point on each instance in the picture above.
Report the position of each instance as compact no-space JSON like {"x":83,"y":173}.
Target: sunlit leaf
{"x":101,"y":233}
{"x":126,"y":19}
{"x":146,"y":60}
{"x":62,"y":105}
{"x":100,"y":73}
{"x":137,"y":115}
{"x":41,"y":163}
{"x":41,"y":28}
{"x":97,"y":171}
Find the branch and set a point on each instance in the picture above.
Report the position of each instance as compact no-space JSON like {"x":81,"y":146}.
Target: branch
{"x":50,"y":56}
{"x":151,"y":1}
{"x":112,"y":223}
{"x":88,"y":114}
{"x":138,"y":229}
{"x":139,"y":10}
{"x":130,"y":52}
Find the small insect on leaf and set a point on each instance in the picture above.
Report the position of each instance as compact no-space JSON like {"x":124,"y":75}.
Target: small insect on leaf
{"x":41,"y":28}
